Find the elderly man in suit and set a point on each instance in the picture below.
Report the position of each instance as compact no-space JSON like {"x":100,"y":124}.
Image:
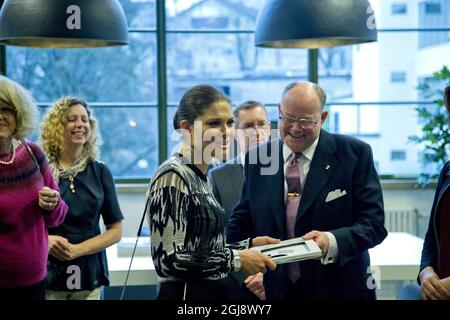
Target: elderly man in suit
{"x":253,"y":128}
{"x":324,"y":187}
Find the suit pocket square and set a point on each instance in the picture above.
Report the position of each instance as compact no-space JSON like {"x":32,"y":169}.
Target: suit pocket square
{"x":333,"y":195}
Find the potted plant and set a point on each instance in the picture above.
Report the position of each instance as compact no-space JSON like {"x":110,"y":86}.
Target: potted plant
{"x":435,"y":136}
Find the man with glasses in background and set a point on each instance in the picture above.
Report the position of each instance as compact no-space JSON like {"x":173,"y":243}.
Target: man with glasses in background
{"x":253,"y":128}
{"x":326,"y":189}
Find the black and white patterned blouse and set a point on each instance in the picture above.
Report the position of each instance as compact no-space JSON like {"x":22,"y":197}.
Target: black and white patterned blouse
{"x":187,"y":225}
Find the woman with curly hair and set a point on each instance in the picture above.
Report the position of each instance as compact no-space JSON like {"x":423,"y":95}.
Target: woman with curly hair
{"x":29,"y":199}
{"x":77,"y":256}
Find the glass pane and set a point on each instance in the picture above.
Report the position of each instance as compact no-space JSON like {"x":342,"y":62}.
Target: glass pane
{"x":387,"y":70}
{"x":387,"y":129}
{"x":199,"y":14}
{"x":232,"y":63}
{"x":173,"y":136}
{"x":411,"y":13}
{"x":129,"y":139}
{"x":140,"y":13}
{"x":111,"y":74}
{"x":354,"y":119}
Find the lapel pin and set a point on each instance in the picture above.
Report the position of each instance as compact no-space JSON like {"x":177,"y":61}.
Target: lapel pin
{"x":327,"y":167}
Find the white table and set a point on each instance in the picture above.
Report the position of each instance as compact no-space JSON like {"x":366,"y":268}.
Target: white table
{"x":142,"y":269}
{"x":396,"y":258}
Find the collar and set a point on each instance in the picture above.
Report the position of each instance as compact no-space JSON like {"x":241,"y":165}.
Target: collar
{"x":308,"y":153}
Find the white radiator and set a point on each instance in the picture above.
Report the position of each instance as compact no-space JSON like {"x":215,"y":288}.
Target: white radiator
{"x":402,"y":220}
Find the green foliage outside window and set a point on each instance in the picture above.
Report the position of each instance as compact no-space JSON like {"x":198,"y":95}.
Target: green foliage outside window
{"x":435,"y":136}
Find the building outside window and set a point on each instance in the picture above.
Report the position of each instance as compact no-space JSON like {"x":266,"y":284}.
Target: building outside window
{"x":210,"y":41}
{"x":399,"y":8}
{"x":398,"y":76}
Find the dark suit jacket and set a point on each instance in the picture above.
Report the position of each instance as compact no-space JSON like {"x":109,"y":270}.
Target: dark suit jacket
{"x":431,"y":245}
{"x":356,"y":219}
{"x":226,"y":181}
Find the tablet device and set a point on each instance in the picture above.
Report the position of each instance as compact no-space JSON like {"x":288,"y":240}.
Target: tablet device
{"x":291,"y":250}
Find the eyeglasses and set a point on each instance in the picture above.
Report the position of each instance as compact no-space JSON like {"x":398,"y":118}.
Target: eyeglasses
{"x":7,"y":111}
{"x":303,"y":123}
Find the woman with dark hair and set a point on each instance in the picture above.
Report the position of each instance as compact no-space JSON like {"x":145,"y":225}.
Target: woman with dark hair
{"x":29,"y":199}
{"x":187,"y":223}
{"x":77,"y":257}
{"x":435,"y":265}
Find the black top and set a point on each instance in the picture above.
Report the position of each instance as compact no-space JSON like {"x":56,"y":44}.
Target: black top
{"x":94,"y":196}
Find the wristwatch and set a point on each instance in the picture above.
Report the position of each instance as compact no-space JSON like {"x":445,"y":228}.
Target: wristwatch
{"x":236,"y":263}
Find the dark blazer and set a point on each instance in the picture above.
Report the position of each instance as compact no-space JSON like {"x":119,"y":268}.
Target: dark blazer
{"x":226,"y":181}
{"x":431,"y":242}
{"x":356,"y":219}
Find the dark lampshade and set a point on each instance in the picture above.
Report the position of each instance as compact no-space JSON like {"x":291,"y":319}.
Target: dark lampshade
{"x":63,"y":23}
{"x":314,"y":23}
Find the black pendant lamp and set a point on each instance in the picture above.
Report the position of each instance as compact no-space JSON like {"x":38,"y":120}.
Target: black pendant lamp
{"x":63,"y":23}
{"x":314,"y":23}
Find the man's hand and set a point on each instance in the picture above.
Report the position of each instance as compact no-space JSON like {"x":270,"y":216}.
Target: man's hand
{"x":259,"y":241}
{"x":253,"y":261}
{"x":431,"y":286}
{"x":320,"y":238}
{"x":254,"y":283}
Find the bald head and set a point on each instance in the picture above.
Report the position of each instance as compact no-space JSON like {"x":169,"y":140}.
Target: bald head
{"x":307,"y":88}
{"x":302,"y":114}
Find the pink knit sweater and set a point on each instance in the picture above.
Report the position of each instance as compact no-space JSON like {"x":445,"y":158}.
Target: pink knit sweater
{"x":23,"y":224}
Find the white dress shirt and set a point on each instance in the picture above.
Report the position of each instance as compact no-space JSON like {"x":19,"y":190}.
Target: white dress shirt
{"x":304,"y":163}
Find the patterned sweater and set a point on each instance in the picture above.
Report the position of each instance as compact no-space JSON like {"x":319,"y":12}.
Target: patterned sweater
{"x":187,"y":225}
{"x":23,"y":224}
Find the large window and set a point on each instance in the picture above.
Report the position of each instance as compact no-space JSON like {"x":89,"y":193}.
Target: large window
{"x":372,"y":88}
{"x":120,"y":84}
